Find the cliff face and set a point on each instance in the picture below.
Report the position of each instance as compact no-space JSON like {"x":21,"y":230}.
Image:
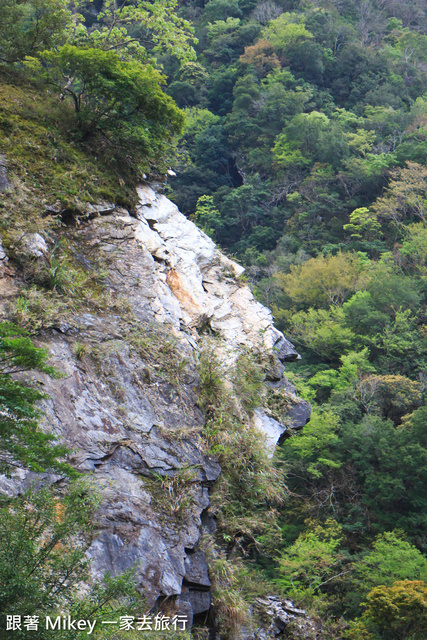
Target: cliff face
{"x":127,"y":403}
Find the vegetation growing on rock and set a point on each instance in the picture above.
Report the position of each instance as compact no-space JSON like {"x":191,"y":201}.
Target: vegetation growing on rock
{"x":302,"y":151}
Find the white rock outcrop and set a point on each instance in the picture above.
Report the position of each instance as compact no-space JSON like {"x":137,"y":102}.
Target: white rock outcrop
{"x":199,"y":284}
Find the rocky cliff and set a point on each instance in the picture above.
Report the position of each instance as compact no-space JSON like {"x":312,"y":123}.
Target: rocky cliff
{"x":127,"y":404}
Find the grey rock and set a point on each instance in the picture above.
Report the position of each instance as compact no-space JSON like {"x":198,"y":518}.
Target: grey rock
{"x":3,"y":254}
{"x":55,"y":209}
{"x":283,"y":619}
{"x":271,"y":428}
{"x":285,"y":350}
{"x":197,"y":570}
{"x":4,"y":182}
{"x":299,"y":415}
{"x":33,"y":244}
{"x":127,"y":408}
{"x":200,"y":601}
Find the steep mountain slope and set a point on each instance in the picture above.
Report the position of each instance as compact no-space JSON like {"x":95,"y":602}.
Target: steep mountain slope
{"x":127,"y":404}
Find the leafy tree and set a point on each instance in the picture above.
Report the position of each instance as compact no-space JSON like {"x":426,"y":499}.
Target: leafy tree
{"x":313,"y":447}
{"x":262,"y":56}
{"x":362,"y":315}
{"x":18,"y":353}
{"x":405,"y":196}
{"x":363,"y":224}
{"x":325,"y":279}
{"x":30,"y":26}
{"x":322,"y":331}
{"x":311,"y":137}
{"x":121,"y":100}
{"x":43,"y":564}
{"x":286,"y":32}
{"x":220,"y":10}
{"x":355,"y":365}
{"x":391,"y":558}
{"x":136,"y":27}
{"x":364,"y":472}
{"x":208,"y":217}
{"x":401,"y":345}
{"x":397,"y":612}
{"x":391,"y":465}
{"x":312,"y":561}
{"x":21,"y":441}
{"x":414,"y":248}
{"x":396,"y":395}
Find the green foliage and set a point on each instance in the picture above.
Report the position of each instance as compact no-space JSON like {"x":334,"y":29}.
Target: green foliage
{"x":122,"y":100}
{"x":230,"y":607}
{"x":414,"y":248}
{"x":250,"y":485}
{"x":131,"y":27}
{"x":28,"y":26}
{"x":312,"y":561}
{"x":22,"y":443}
{"x":174,"y":494}
{"x":364,"y":472}
{"x":354,"y":366}
{"x":207,"y":216}
{"x":161,"y":351}
{"x":391,"y":558}
{"x":45,"y":166}
{"x":325,"y":279}
{"x":43,"y":563}
{"x":323,"y":331}
{"x":247,"y":377}
{"x":313,"y":447}
{"x":405,"y":196}
{"x":363,"y":224}
{"x":393,"y":613}
{"x":286,"y":31}
{"x":18,"y":353}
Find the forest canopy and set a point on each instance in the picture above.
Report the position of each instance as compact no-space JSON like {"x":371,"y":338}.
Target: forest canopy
{"x":303,"y":155}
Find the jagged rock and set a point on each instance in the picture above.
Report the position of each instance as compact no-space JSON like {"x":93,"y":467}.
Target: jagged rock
{"x":55,"y":209}
{"x":272,"y":429}
{"x":282,"y":619}
{"x":285,"y":350}
{"x":197,"y":570}
{"x":298,"y":411}
{"x":3,"y":254}
{"x":203,"y":280}
{"x":34,"y":245}
{"x":7,"y":286}
{"x":102,"y":208}
{"x":129,"y":416}
{"x":4,"y":182}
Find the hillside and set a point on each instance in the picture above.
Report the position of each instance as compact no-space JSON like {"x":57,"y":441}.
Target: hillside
{"x":291,"y":135}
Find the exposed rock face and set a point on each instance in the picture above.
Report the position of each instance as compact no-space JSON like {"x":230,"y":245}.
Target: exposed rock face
{"x":284,"y":620}
{"x":4,"y":182}
{"x":203,"y":280}
{"x":127,"y":404}
{"x":34,"y":245}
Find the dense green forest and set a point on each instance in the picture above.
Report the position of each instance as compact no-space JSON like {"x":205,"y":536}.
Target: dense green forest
{"x":303,"y":154}
{"x":298,"y":134}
